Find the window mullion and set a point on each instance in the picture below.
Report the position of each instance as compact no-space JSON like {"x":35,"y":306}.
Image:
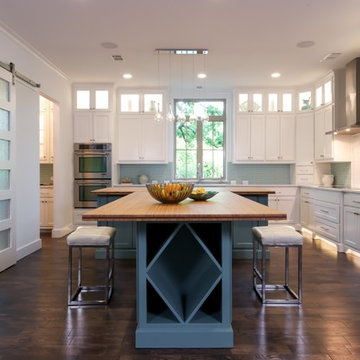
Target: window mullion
{"x":199,"y":150}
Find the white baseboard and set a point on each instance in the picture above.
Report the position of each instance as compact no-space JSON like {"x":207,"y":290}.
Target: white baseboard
{"x":60,"y":232}
{"x":28,"y":249}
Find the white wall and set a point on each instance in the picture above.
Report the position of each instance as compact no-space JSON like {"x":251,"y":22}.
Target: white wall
{"x":57,"y":87}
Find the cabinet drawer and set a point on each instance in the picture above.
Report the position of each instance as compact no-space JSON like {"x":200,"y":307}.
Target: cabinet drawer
{"x":328,"y":196}
{"x":327,"y":211}
{"x":304,"y":179}
{"x":284,"y":191}
{"x":305,"y":192}
{"x":327,"y":229}
{"x":304,"y":170}
{"x":46,"y":192}
{"x":351,"y":199}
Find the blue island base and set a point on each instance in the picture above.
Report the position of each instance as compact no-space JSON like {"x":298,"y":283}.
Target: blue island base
{"x":196,"y":336}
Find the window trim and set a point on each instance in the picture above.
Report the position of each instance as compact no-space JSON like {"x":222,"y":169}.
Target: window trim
{"x":199,"y":155}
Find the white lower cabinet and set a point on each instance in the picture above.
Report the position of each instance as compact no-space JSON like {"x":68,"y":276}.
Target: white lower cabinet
{"x":320,"y":213}
{"x":285,"y":199}
{"x":352,"y":220}
{"x":46,"y":208}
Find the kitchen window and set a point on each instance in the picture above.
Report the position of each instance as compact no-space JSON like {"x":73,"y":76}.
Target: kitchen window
{"x":200,"y":140}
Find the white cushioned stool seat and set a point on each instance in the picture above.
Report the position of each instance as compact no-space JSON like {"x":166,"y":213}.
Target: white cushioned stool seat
{"x":277,"y":235}
{"x":265,"y":237}
{"x":91,"y":235}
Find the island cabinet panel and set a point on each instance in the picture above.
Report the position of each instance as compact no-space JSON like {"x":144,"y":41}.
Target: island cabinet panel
{"x":125,"y":237}
{"x":241,"y":231}
{"x":184,"y":285}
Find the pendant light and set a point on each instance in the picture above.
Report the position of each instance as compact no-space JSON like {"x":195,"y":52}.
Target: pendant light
{"x":158,"y":114}
{"x":170,"y":114}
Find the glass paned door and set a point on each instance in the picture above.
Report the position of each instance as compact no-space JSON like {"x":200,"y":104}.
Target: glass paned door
{"x":7,"y":164}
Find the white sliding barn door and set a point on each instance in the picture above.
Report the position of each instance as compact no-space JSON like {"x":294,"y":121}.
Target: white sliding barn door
{"x":7,"y":170}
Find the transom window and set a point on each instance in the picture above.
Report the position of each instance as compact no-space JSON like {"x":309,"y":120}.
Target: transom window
{"x":200,"y":139}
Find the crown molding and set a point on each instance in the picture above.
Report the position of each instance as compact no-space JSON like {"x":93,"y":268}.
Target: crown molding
{"x":13,"y":35}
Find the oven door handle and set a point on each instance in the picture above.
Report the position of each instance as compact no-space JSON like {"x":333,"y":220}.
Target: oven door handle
{"x":91,"y":153}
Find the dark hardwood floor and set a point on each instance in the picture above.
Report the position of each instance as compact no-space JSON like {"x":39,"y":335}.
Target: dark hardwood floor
{"x":35,"y":322}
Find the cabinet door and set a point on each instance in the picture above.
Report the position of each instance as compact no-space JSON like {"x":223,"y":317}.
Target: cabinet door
{"x":42,"y":213}
{"x":287,"y":137}
{"x":352,"y":227}
{"x":129,"y":136}
{"x":50,"y":212}
{"x":319,"y":135}
{"x":250,"y":138}
{"x":328,"y":138}
{"x":307,"y":217}
{"x":153,"y":139}
{"x":305,"y":138}
{"x":83,"y":131}
{"x":272,"y":137}
{"x":257,"y":137}
{"x":101,"y":127}
{"x":288,"y":205}
{"x":242,"y":138}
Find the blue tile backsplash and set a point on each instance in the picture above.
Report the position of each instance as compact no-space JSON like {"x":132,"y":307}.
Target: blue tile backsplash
{"x":253,"y":173}
{"x":260,"y":173}
{"x":342,"y":174}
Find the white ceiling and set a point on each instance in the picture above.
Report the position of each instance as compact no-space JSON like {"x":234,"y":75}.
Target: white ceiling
{"x":247,"y":39}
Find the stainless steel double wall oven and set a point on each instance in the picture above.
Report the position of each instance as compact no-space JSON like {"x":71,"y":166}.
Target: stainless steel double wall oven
{"x":92,"y":171}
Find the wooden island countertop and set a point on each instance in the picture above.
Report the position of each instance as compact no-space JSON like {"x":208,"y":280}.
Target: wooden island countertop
{"x":227,"y":205}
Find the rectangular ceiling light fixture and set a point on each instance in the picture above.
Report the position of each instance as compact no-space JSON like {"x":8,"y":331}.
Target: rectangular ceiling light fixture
{"x":183,"y":51}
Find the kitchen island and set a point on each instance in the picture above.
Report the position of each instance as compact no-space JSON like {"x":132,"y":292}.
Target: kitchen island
{"x":184,"y":259}
{"x":125,"y":245}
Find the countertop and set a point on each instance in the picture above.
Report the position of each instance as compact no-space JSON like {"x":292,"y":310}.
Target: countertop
{"x":239,"y":190}
{"x":225,"y":206}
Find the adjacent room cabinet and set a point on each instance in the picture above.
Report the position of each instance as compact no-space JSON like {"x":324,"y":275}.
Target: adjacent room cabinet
{"x":323,"y":119}
{"x":46,"y":207}
{"x":46,"y":131}
{"x":280,"y":138}
{"x":141,"y":136}
{"x":250,"y":138}
{"x":92,"y":112}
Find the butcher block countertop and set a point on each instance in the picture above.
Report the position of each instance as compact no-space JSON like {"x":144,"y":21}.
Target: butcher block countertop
{"x":227,"y":205}
{"x":125,"y":190}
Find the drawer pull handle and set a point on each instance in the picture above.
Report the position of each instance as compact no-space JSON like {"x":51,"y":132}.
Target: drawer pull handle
{"x":355,"y":213}
{"x":324,"y":228}
{"x":324,"y":211}
{"x":356,"y":202}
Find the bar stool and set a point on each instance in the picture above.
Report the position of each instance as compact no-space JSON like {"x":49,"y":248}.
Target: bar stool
{"x":91,"y":237}
{"x":276,"y":236}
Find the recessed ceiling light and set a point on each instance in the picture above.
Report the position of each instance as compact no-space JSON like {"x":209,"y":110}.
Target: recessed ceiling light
{"x":275,"y":75}
{"x":305,"y":44}
{"x":127,"y":76}
{"x":201,"y":76}
{"x":108,"y":45}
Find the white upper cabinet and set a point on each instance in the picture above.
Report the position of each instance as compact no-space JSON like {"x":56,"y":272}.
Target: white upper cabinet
{"x":92,"y":113}
{"x":141,"y":137}
{"x":305,"y":101}
{"x":149,"y":102}
{"x":280,"y":101}
{"x":280,"y":138}
{"x":323,"y":142}
{"x":249,"y":140}
{"x":324,"y":92}
{"x":305,"y":138}
{"x":248,"y":101}
{"x":93,"y":97}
